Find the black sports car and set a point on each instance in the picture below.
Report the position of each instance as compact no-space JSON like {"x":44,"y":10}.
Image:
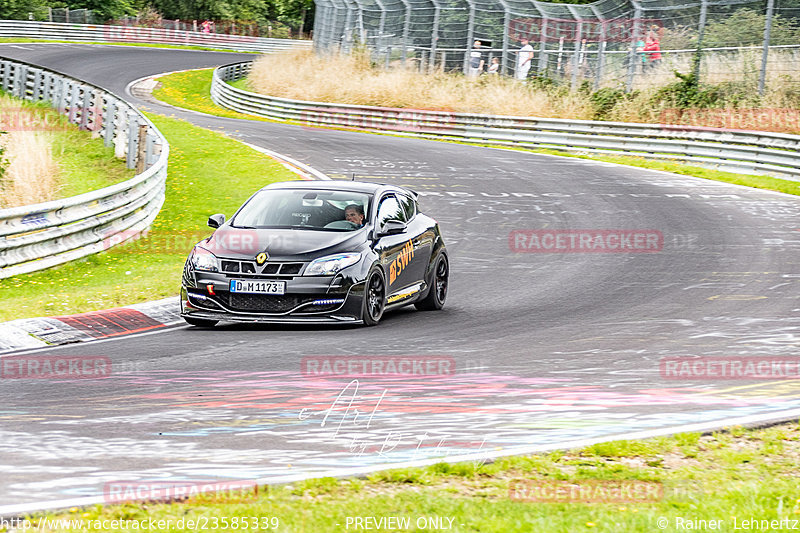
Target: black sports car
{"x":319,"y":252}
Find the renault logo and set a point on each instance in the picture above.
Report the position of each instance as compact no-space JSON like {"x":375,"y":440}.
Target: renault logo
{"x":262,"y":258}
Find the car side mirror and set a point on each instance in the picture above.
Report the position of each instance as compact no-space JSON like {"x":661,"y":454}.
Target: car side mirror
{"x":392,"y":227}
{"x":215,"y":221}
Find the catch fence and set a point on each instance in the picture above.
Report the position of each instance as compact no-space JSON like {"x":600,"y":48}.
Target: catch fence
{"x":608,"y":43}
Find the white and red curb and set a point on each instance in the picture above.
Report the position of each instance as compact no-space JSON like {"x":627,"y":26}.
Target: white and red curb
{"x":26,"y":333}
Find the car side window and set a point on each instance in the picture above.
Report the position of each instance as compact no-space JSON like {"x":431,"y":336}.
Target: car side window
{"x":409,"y":206}
{"x":390,"y":209}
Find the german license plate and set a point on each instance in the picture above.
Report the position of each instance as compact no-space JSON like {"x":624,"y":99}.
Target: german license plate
{"x":258,"y":287}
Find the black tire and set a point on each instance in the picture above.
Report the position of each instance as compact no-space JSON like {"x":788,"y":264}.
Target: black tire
{"x":440,"y":280}
{"x":374,"y":301}
{"x":200,"y":323}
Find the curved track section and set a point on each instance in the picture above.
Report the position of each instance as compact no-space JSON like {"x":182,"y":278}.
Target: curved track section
{"x":549,"y":349}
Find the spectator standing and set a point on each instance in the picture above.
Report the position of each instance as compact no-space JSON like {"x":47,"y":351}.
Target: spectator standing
{"x":494,"y":66}
{"x":475,"y":61}
{"x":524,"y":59}
{"x":641,"y":54}
{"x":652,"y":49}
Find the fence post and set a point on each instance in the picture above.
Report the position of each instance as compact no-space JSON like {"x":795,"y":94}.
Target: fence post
{"x":470,"y":34}
{"x":762,"y":79}
{"x":406,"y":27}
{"x":543,"y":47}
{"x":700,"y":33}
{"x":601,"y":47}
{"x":506,"y":28}
{"x":632,"y":63}
{"x":435,"y":34}
{"x":577,"y":48}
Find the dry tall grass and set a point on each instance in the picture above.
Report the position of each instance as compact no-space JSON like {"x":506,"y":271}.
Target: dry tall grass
{"x":350,"y":79}
{"x":30,"y":173}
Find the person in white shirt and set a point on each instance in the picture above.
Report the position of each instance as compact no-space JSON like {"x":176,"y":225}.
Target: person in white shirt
{"x":475,"y":61}
{"x":524,"y":59}
{"x":494,"y":66}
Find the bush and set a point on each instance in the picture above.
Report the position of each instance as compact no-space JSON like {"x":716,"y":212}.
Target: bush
{"x":687,"y":93}
{"x":604,"y":100}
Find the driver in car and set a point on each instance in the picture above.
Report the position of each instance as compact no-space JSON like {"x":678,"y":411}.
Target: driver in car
{"x":354,"y":213}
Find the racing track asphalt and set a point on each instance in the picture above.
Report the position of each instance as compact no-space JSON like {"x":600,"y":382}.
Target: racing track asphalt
{"x":548,"y":348}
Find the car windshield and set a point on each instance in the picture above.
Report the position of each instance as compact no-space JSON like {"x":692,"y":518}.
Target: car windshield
{"x":304,"y":209}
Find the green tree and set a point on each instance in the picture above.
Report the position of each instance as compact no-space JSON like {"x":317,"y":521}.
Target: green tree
{"x":745,"y":27}
{"x":104,"y":9}
{"x":296,"y":13}
{"x":20,"y":9}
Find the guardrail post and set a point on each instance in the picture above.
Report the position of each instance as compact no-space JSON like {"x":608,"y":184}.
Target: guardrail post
{"x":75,"y":90}
{"x":141,"y":148}
{"x":19,"y":82}
{"x":4,"y":67}
{"x":133,"y":126}
{"x":60,"y":94}
{"x":150,"y":144}
{"x":37,"y":85}
{"x":109,"y":122}
{"x":86,"y":110}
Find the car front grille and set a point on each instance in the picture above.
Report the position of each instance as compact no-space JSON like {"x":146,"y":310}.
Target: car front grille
{"x":273,"y":303}
{"x":270,"y":269}
{"x":267,"y":303}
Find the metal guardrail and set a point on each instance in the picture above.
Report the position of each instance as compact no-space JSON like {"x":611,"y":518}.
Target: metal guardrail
{"x":128,"y":34}
{"x":750,"y":152}
{"x":35,"y":237}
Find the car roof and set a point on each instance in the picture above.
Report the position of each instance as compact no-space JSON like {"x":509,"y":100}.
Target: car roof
{"x":339,"y":185}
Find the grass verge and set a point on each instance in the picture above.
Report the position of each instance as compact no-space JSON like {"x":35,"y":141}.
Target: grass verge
{"x":83,"y":163}
{"x":729,"y":477}
{"x":191,"y":90}
{"x":208,"y":173}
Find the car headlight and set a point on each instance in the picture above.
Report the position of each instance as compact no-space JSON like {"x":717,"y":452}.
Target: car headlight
{"x":331,"y":264}
{"x":202,"y":259}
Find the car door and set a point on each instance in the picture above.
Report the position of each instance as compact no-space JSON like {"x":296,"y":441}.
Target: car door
{"x":396,"y":251}
{"x":421,"y":235}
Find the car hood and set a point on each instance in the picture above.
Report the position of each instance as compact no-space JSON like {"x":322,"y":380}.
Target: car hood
{"x":281,"y":244}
